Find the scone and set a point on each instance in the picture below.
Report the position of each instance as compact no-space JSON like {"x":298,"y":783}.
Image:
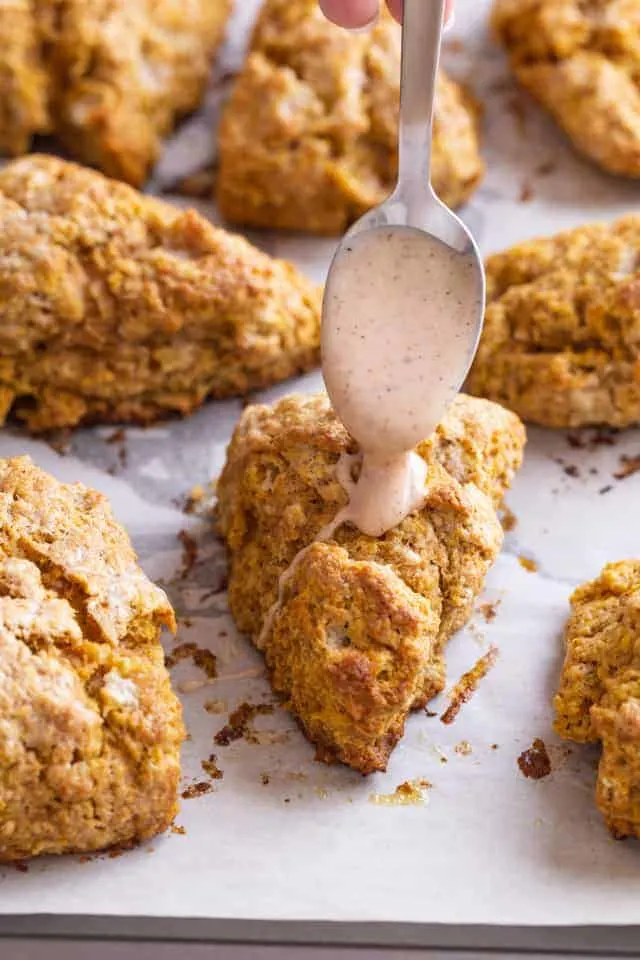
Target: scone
{"x":308,"y":140}
{"x":599,"y":695}
{"x":561,"y":343}
{"x":107,"y":78}
{"x":118,"y":307}
{"x":90,"y":730}
{"x":581,"y":61}
{"x":356,"y":639}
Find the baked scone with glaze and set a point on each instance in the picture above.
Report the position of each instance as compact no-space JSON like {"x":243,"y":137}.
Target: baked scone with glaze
{"x":599,"y":695}
{"x":308,"y":140}
{"x":561,"y":342}
{"x":108,"y":78}
{"x":356,"y":639}
{"x":118,"y":307}
{"x":90,"y":729}
{"x":581,"y":61}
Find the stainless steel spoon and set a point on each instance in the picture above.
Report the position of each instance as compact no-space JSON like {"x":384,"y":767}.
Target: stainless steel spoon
{"x":413,"y":203}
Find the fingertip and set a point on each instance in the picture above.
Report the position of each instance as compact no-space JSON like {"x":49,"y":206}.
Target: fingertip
{"x":352,"y":14}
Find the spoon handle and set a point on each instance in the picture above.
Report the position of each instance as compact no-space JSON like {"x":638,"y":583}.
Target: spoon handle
{"x":421,"y":36}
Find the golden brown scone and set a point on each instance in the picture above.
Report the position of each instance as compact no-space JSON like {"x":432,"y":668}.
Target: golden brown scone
{"x":90,"y":730}
{"x":116,"y":306}
{"x":599,"y":695}
{"x":357,"y":641}
{"x":561,"y":344}
{"x":107,"y":77}
{"x":582,"y":62}
{"x":309,"y":138}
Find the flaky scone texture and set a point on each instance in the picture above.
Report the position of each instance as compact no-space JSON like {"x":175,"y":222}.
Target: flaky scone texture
{"x":90,"y":730}
{"x":357,"y":637}
{"x":599,"y":694}
{"x":561,"y":343}
{"x":308,"y":140}
{"x":118,"y":307}
{"x":107,"y":77}
{"x":581,"y":60}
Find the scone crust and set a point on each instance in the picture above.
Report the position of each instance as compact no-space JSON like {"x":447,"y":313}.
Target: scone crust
{"x":561,"y":343}
{"x":108,"y":78}
{"x":581,"y":61}
{"x":308,"y":140}
{"x":118,"y":307}
{"x":358,"y":639}
{"x":90,"y":730}
{"x":599,"y":694}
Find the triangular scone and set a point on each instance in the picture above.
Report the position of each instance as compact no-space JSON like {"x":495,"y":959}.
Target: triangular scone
{"x":118,"y":307}
{"x":357,"y":641}
{"x":90,"y":729}
{"x":108,"y":78}
{"x":599,"y":695}
{"x":561,"y":341}
{"x":581,"y":61}
{"x":308,"y":140}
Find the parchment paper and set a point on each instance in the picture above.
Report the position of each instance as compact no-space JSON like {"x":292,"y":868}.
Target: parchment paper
{"x":282,"y":837}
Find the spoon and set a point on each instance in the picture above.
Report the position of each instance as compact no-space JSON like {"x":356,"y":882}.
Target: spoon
{"x":409,"y":328}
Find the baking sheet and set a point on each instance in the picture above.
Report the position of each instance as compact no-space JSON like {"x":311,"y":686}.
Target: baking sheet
{"x":281,"y":837}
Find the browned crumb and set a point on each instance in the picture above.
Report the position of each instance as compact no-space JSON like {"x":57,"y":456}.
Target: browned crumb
{"x":606,"y":489}
{"x":526,"y":193}
{"x":265,"y":779}
{"x":84,"y":859}
{"x":118,"y":436}
{"x":576,"y":440}
{"x":628,"y":466}
{"x":571,"y":470}
{"x":197,"y":790}
{"x":468,"y":684}
{"x":198,"y":185}
{"x":176,"y":828}
{"x":189,"y":553}
{"x":494,"y":746}
{"x":186,"y":621}
{"x":534,"y":762}
{"x":20,"y":866}
{"x":546,"y":168}
{"x":528,"y":564}
{"x":202,"y":658}
{"x":239,"y":725}
{"x":211,"y":768}
{"x":489,"y":610}
{"x":463,"y":749}
{"x":411,"y":792}
{"x":215,"y":706}
{"x":508,"y":519}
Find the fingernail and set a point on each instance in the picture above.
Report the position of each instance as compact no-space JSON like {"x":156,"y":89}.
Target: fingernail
{"x":367,"y":26}
{"x":451,"y":22}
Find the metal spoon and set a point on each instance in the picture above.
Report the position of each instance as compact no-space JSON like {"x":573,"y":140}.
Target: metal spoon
{"x":413,"y":202}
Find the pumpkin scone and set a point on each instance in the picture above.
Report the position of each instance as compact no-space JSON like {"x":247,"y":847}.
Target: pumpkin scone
{"x":119,"y":307}
{"x":90,"y":729}
{"x":354,"y":638}
{"x":599,"y":696}
{"x":561,"y":343}
{"x":308,"y":140}
{"x":108,"y":78}
{"x":581,"y":61}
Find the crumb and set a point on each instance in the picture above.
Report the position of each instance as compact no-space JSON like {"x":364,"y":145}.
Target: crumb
{"x":606,"y":489}
{"x":544,"y":169}
{"x":593,"y":471}
{"x":604,"y":437}
{"x":576,"y":441}
{"x":84,"y":859}
{"x":628,"y":466}
{"x":508,"y":519}
{"x":411,"y":792}
{"x":189,"y":553}
{"x":20,"y":866}
{"x":186,"y":622}
{"x":196,"y":790}
{"x":468,"y":684}
{"x":526,"y":193}
{"x":176,"y":828}
{"x":211,"y":768}
{"x":239,"y":725}
{"x":60,"y":441}
{"x":494,"y":746}
{"x":118,"y":436}
{"x":571,"y":470}
{"x":287,"y":799}
{"x":215,"y":706}
{"x":463,"y":749}
{"x":265,"y":779}
{"x":489,"y":610}
{"x":430,"y":713}
{"x":204,"y":659}
{"x":322,"y":793}
{"x":534,"y":762}
{"x":198,"y":185}
{"x":528,"y":564}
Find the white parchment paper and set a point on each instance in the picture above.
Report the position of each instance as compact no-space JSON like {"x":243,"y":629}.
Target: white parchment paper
{"x":282,"y":837}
